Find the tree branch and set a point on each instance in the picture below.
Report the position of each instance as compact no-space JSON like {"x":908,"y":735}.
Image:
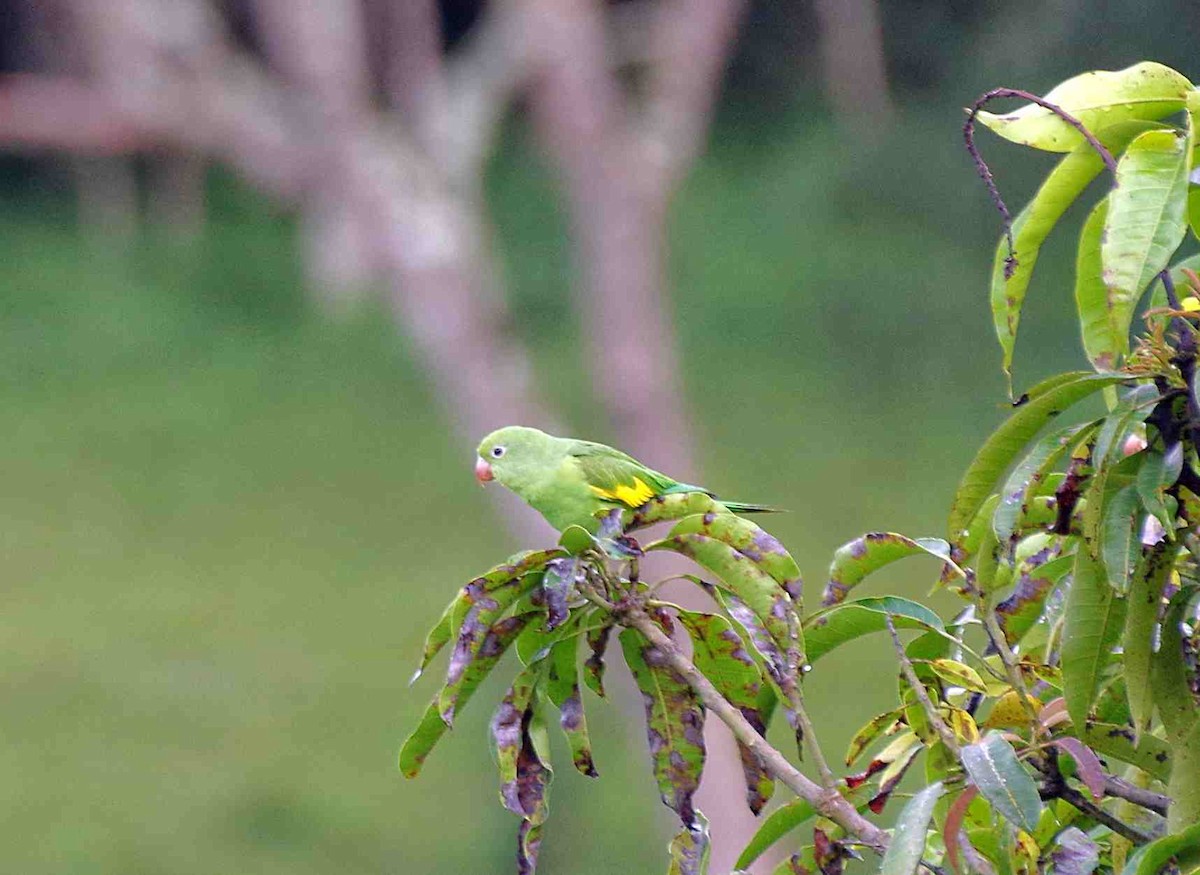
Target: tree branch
{"x":1148,"y":799}
{"x":829,"y":803}
{"x":918,"y":688}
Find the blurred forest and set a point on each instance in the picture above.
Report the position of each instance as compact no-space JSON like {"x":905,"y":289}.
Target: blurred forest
{"x":271,"y":268}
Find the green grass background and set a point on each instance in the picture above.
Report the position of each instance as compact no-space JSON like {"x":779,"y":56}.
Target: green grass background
{"x":227,"y":523}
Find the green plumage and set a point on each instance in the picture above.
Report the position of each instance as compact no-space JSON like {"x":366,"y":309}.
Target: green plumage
{"x":570,"y":481}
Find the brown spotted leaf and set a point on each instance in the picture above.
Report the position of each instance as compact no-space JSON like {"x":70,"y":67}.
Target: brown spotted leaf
{"x":438,"y":635}
{"x":674,"y":724}
{"x":690,"y":849}
{"x":562,"y":688}
{"x":670,"y":507}
{"x":558,"y":582}
{"x":1039,"y":569}
{"x":718,"y":652}
{"x":524,"y":776}
{"x":432,"y":727}
{"x":529,"y":843}
{"x":852,"y":562}
{"x":593,"y":667}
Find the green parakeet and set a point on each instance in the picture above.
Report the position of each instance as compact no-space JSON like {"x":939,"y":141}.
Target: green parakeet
{"x":569,"y":481}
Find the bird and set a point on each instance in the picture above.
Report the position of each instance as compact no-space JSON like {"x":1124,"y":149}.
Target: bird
{"x":569,"y":481}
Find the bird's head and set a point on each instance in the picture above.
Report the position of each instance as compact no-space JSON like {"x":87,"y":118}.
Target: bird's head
{"x":513,"y":455}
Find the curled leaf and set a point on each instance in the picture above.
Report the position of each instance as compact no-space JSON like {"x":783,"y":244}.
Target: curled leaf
{"x":852,"y":562}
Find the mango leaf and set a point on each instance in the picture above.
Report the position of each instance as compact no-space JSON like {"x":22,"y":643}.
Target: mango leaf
{"x":1093,"y":619}
{"x":432,"y":727}
{"x":833,"y":627}
{"x":1141,"y":620}
{"x":1062,"y":186}
{"x":779,"y":823}
{"x":670,"y":507}
{"x":524,"y":774}
{"x":958,"y":674}
{"x":993,"y":767}
{"x":1028,"y":476}
{"x":1169,"y":675}
{"x":765,"y":597}
{"x":871,"y":730}
{"x":1011,"y":437}
{"x":904,"y":851}
{"x":558,"y":582}
{"x":562,"y":688}
{"x":1153,"y":858}
{"x":1074,"y":853}
{"x":1102,"y":343}
{"x":853,"y":561}
{"x":757,"y":545}
{"x":1036,"y":577}
{"x":952,"y":830}
{"x":1115,"y":741}
{"x":690,"y":849}
{"x":437,"y":637}
{"x":674,"y":724}
{"x":718,"y":653}
{"x":529,"y":843}
{"x":593,"y":667}
{"x":1120,"y":533}
{"x":765,"y":650}
{"x":1146,"y":222}
{"x":1097,"y":99}
{"x":1087,"y":764}
{"x":1158,"y":472}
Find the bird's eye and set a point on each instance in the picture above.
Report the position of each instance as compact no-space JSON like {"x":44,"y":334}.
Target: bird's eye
{"x":497,"y":452}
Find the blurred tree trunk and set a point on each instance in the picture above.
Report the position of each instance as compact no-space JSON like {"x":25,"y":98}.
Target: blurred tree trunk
{"x":855,"y":64}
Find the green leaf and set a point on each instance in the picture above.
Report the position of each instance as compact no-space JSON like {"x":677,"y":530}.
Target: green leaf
{"x":958,"y":674}
{"x":1102,"y":343}
{"x":780,"y":822}
{"x":438,"y":635}
{"x":1011,"y":437}
{"x":765,"y":597}
{"x":718,"y":653}
{"x":1093,"y":619}
{"x":833,"y":627}
{"x":432,"y":727}
{"x":1120,"y":534}
{"x":852,"y":562}
{"x":1158,"y":472}
{"x":1062,"y":186}
{"x":908,"y":837}
{"x":674,"y":724}
{"x":1153,"y":858}
{"x":1146,"y":222}
{"x":670,"y":507}
{"x":993,"y":767}
{"x":1150,"y":754}
{"x":690,"y":849}
{"x":1169,"y":675}
{"x":1141,"y":619}
{"x":562,"y":688}
{"x":1024,"y":482}
{"x":757,"y":545}
{"x":1097,"y":99}
{"x":1036,"y":574}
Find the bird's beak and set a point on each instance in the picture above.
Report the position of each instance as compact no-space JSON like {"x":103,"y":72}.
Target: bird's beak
{"x":483,"y":472}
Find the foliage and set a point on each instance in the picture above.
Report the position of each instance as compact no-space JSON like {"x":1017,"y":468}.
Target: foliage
{"x":1055,"y":717}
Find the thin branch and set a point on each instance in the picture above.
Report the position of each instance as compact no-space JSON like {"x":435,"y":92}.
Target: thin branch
{"x":1086,"y":806}
{"x":1148,"y":799}
{"x":810,"y":736}
{"x":992,"y":626}
{"x":918,"y":688}
{"x":829,"y":803}
{"x":985,"y":173}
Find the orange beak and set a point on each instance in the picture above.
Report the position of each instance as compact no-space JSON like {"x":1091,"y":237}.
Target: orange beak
{"x":483,"y":472}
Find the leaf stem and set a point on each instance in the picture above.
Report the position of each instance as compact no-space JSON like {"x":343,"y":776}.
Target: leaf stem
{"x":827,"y":801}
{"x":918,"y":688}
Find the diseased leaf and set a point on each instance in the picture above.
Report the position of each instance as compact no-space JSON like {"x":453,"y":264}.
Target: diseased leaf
{"x":904,"y":851}
{"x":1093,"y":619}
{"x":1031,"y":227}
{"x":1153,"y":858}
{"x":1097,"y":99}
{"x":872,"y":730}
{"x":674,"y":724}
{"x":852,"y":562}
{"x":558,"y":582}
{"x":833,"y":627}
{"x":1023,"y":483}
{"x":1141,"y":621}
{"x":759,"y":546}
{"x":438,"y":636}
{"x":718,"y":652}
{"x":670,"y":507}
{"x":1150,"y":754}
{"x":1011,"y":437}
{"x":765,"y":597}
{"x":529,"y":843}
{"x":593,"y":674}
{"x":779,"y":823}
{"x":1036,"y":577}
{"x":1146,"y":222}
{"x":1158,"y":472}
{"x":562,"y":688}
{"x":994,"y":768}
{"x":1074,"y":853}
{"x":432,"y":727}
{"x":524,"y":775}
{"x":690,"y":849}
{"x":958,"y":674}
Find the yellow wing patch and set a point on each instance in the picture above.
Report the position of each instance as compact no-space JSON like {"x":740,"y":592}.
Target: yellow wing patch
{"x":631,"y":496}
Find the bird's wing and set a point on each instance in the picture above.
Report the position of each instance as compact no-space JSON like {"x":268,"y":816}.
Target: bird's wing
{"x":614,"y":476}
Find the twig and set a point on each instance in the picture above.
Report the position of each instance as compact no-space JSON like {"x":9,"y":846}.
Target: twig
{"x":992,"y":626}
{"x":910,"y":674}
{"x":1148,"y":799}
{"x":828,"y":802}
{"x":985,"y":173}
{"x":1069,"y":794}
{"x":810,"y":736}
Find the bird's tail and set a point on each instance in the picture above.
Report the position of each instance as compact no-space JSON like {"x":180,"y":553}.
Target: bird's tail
{"x":743,"y":507}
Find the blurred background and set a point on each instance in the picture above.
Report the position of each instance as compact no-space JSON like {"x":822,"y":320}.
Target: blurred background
{"x":268,"y":270}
